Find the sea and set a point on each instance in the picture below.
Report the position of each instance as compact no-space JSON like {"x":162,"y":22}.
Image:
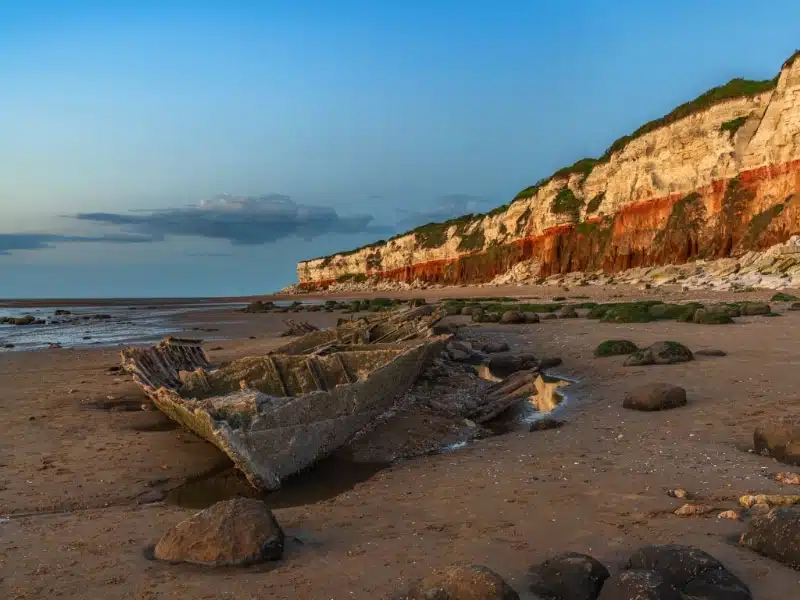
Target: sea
{"x":101,"y":325}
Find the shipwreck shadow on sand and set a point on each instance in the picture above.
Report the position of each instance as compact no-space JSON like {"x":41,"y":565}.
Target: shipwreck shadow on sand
{"x":326,"y":479}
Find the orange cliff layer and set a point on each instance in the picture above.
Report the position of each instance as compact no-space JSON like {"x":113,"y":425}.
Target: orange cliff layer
{"x":712,"y":183}
{"x":641,"y":234}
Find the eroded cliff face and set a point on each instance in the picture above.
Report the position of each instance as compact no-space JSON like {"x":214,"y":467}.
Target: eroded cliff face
{"x":713,"y":184}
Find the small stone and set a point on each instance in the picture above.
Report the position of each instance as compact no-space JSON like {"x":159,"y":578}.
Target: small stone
{"x":549,"y":362}
{"x":776,"y":535}
{"x":569,"y":576}
{"x":788,"y":478}
{"x":469,"y":423}
{"x":461,"y":582}
{"x":694,"y":510}
{"x":241,"y":531}
{"x":679,"y":493}
{"x":769,"y":499}
{"x":731,"y":515}
{"x":494,"y":347}
{"x":655,"y":396}
{"x":546,"y":423}
{"x":710,"y":352}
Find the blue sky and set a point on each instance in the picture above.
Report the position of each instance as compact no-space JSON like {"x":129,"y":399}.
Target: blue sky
{"x":328,"y":123}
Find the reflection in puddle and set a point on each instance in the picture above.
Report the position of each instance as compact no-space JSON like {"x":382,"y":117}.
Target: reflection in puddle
{"x":325,"y":480}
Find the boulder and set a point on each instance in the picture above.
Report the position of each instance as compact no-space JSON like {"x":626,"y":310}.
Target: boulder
{"x":503,"y":364}
{"x":780,"y":439}
{"x":677,"y":564}
{"x":461,"y":582}
{"x":491,"y":317}
{"x":512,"y":317}
{"x":494,"y":347}
{"x":549,"y":317}
{"x":569,"y":576}
{"x":236,"y":532}
{"x":478,"y":316}
{"x":467,"y":310}
{"x":755,"y":308}
{"x":531,"y":317}
{"x":655,"y":396}
{"x":776,"y":535}
{"x":615,"y":348}
{"x":794,"y":306}
{"x":26,"y":320}
{"x":638,"y":585}
{"x":660,"y":353}
{"x":716,"y":584}
{"x":568,"y":312}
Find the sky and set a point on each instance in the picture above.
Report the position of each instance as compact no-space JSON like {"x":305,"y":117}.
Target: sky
{"x":203,"y":148}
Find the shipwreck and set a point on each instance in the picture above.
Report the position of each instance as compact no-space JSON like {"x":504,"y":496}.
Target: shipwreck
{"x":278,"y":413}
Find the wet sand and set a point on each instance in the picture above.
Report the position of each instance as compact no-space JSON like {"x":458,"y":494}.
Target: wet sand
{"x":80,"y":462}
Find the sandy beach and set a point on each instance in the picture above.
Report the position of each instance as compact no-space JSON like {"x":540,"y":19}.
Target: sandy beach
{"x":89,"y":480}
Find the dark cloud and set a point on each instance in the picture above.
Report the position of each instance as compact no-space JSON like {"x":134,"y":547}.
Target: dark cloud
{"x":242,"y":220}
{"x":444,"y":208}
{"x":38,"y":241}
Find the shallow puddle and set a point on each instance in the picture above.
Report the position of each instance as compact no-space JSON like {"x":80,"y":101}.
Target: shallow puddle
{"x":325,"y":480}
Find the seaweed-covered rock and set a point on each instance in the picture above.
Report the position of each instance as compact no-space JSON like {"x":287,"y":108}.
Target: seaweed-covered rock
{"x":756,"y":308}
{"x":568,"y":312}
{"x":512,"y":317}
{"x":779,"y":438}
{"x":615,"y":348}
{"x":461,"y":582}
{"x":783,"y":297}
{"x":569,"y":576}
{"x":478,"y":316}
{"x":655,"y":396}
{"x":597,"y":312}
{"x":467,"y":310}
{"x":638,"y":585}
{"x":660,"y":353}
{"x":776,"y":535}
{"x":235,"y":532}
{"x":259,"y":306}
{"x":704,"y":316}
{"x":491,"y":317}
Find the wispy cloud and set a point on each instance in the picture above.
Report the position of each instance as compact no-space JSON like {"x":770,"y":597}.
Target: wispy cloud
{"x":39,"y":241}
{"x":241,"y":220}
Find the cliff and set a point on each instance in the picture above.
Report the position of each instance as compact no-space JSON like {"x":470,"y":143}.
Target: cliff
{"x":715,"y":178}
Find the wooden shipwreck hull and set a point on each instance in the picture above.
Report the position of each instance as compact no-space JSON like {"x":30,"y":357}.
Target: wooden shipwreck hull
{"x":276,"y":414}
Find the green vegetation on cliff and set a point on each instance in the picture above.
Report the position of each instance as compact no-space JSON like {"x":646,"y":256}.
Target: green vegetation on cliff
{"x":733,"y":125}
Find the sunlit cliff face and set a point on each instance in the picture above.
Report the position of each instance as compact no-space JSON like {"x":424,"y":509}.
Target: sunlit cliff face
{"x":714,"y":183}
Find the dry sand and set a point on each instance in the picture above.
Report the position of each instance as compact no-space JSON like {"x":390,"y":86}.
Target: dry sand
{"x":79,"y":463}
